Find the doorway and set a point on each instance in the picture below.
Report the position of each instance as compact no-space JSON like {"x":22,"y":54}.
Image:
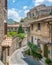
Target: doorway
{"x":45,"y":51}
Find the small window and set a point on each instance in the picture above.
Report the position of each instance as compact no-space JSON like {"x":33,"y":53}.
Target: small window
{"x":38,"y":42}
{"x":33,"y":14}
{"x":32,"y":39}
{"x":39,"y":26}
{"x":32,"y":26}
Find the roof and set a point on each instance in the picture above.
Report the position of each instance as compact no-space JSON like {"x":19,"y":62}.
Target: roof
{"x":7,"y":42}
{"x":48,"y":18}
{"x":27,"y":22}
{"x":13,"y":25}
{"x":37,"y":8}
{"x":45,"y":43}
{"x":40,"y":7}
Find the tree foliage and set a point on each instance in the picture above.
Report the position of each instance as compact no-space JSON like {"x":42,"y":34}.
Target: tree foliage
{"x":34,"y":48}
{"x":50,"y":13}
{"x":21,"y":35}
{"x":20,"y":29}
{"x":22,"y":20}
{"x":12,"y":34}
{"x":48,"y":61}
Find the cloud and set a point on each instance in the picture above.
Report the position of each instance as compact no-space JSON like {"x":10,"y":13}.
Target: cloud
{"x":13,"y":1}
{"x":38,"y":2}
{"x":20,"y":11}
{"x":25,"y":7}
{"x":50,"y":0}
{"x":13,"y":14}
{"x":25,"y":12}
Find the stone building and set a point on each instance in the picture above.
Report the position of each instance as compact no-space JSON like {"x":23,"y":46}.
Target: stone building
{"x":39,"y":11}
{"x":10,"y":44}
{"x":3,"y":19}
{"x":13,"y":27}
{"x":41,"y":35}
{"x":40,"y":28}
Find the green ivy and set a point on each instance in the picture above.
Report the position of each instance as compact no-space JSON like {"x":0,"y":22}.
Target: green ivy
{"x":48,"y":61}
{"x":34,"y":49}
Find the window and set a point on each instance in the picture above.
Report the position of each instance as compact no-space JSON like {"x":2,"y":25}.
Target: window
{"x":38,"y":42}
{"x":39,"y":26}
{"x":29,"y":15}
{"x":33,"y":14}
{"x":32,"y":26}
{"x":32,"y":39}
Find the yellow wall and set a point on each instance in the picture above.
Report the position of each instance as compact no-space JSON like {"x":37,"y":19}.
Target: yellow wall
{"x":43,"y":34}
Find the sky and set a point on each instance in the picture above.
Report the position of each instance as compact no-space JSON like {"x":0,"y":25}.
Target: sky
{"x":18,"y":9}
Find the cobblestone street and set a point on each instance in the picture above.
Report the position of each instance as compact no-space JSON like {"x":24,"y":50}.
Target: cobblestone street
{"x":19,"y":59}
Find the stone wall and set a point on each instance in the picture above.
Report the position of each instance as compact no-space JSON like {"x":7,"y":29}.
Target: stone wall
{"x":2,"y":18}
{"x":42,"y":34}
{"x":50,"y":52}
{"x":14,"y":45}
{"x":39,"y":11}
{"x":9,"y":45}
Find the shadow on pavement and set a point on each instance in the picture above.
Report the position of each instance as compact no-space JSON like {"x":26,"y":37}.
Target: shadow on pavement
{"x":30,"y":61}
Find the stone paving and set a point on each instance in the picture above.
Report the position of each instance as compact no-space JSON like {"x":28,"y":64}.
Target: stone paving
{"x":19,"y":59}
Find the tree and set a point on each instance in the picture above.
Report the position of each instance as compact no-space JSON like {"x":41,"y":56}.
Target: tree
{"x":21,"y":34}
{"x":22,"y":20}
{"x":20,"y":29}
{"x":50,"y":13}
